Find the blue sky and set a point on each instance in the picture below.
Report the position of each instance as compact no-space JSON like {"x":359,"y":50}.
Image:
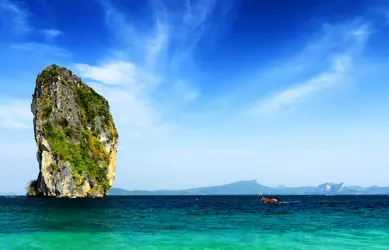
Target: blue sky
{"x":209,"y":92}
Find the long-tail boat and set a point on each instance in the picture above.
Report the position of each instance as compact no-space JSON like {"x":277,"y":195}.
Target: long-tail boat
{"x":269,"y":200}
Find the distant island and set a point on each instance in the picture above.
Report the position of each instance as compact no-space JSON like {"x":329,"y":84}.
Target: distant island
{"x":252,"y":187}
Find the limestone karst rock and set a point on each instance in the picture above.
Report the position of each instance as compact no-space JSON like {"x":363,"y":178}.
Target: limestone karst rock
{"x":76,"y":138}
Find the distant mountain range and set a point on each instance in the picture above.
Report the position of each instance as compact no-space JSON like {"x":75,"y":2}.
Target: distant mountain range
{"x":252,"y":187}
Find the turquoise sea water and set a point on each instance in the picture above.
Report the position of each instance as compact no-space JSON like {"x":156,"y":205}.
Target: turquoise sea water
{"x":201,"y":222}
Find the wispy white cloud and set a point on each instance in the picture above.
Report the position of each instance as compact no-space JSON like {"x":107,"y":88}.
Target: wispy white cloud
{"x":132,"y":42}
{"x":175,"y":33}
{"x":116,"y":73}
{"x":194,"y":21}
{"x":14,"y":19}
{"x":352,"y":42}
{"x":199,"y":20}
{"x":157,"y":43}
{"x":15,"y":114}
{"x":51,"y":33}
{"x":296,"y":94}
{"x":120,"y":73}
{"x":11,"y":13}
{"x":42,"y":49}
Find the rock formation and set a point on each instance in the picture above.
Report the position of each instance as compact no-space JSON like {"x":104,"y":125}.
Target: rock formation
{"x":76,"y":138}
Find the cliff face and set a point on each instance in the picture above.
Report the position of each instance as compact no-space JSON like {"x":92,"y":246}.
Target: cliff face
{"x":76,"y":138}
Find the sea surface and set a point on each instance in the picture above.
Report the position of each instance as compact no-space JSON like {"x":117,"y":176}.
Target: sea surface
{"x":195,"y":222}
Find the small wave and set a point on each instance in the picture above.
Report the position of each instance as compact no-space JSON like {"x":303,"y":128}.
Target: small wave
{"x":289,"y":202}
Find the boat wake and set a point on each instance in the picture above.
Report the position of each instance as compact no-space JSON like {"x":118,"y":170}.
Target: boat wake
{"x":289,"y":202}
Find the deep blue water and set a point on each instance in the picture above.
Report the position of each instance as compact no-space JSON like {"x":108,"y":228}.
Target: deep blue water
{"x":195,"y":222}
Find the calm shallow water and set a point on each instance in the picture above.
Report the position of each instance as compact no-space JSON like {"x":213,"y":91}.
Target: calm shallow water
{"x":201,"y":222}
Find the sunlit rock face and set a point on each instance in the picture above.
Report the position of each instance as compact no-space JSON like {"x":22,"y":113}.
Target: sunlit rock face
{"x":76,"y":138}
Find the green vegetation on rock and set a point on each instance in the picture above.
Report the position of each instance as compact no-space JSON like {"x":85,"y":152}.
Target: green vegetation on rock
{"x":84,"y":155}
{"x":77,"y":124}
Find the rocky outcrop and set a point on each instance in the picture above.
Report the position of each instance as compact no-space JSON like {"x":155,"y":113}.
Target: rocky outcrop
{"x":76,"y":138}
